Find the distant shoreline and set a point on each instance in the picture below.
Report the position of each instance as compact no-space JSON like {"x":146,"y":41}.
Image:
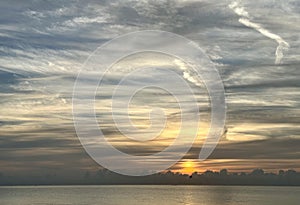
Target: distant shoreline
{"x":96,"y":185}
{"x":258,"y":177}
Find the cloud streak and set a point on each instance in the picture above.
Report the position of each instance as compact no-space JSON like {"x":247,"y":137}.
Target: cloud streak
{"x":245,"y":19}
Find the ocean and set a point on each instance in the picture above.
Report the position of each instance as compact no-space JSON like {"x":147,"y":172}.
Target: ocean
{"x":149,"y":195}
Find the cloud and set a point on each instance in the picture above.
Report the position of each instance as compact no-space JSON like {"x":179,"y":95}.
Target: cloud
{"x":282,"y":44}
{"x":43,"y":46}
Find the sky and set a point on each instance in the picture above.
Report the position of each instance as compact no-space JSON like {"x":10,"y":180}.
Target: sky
{"x":254,"y":45}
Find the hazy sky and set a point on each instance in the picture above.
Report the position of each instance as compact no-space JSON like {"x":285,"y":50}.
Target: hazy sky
{"x":254,"y":45}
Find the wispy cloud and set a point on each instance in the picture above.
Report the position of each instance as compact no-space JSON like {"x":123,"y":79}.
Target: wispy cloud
{"x":245,"y":19}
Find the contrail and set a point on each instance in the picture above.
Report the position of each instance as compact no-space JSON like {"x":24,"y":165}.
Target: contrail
{"x":282,"y":44}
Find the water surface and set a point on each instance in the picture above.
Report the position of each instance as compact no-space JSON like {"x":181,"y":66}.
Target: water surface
{"x":144,"y":195}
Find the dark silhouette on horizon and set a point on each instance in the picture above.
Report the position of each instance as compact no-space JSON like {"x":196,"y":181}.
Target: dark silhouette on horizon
{"x":105,"y":177}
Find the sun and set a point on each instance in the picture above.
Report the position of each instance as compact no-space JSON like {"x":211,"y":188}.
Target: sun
{"x":188,"y":167}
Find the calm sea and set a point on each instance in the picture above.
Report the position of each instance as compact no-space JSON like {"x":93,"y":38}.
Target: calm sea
{"x":141,"y":195}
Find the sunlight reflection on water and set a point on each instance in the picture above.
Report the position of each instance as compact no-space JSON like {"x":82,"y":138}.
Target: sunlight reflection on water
{"x":144,"y":195}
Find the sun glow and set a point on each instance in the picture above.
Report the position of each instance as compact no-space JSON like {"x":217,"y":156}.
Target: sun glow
{"x":188,"y":167}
